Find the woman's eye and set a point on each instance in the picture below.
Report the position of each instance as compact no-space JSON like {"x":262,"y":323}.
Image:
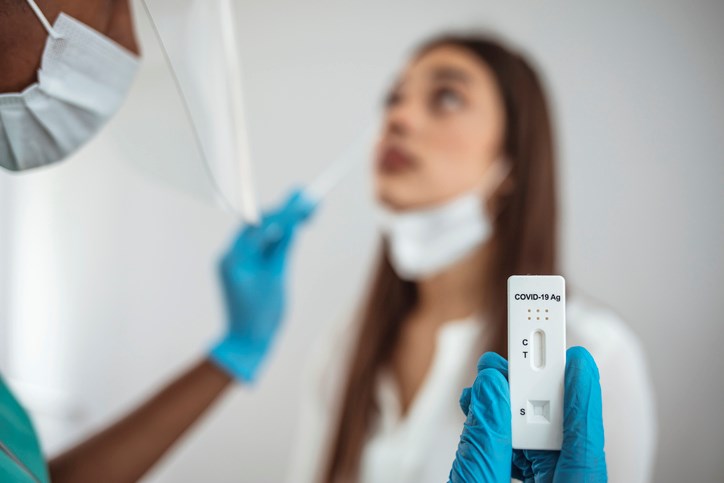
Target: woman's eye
{"x":447,"y":99}
{"x":392,"y":99}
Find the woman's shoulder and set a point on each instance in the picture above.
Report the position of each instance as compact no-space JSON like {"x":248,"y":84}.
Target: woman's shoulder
{"x":615,"y":346}
{"x":599,"y":329}
{"x":629,"y":405}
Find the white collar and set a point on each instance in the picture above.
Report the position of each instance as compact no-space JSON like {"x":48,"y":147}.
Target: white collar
{"x":457,"y":348}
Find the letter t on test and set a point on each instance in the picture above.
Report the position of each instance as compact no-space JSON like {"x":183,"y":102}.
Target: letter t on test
{"x":537,"y":359}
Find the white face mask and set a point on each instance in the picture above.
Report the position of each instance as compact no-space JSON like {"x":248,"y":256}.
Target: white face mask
{"x":82,"y":81}
{"x":424,"y":242}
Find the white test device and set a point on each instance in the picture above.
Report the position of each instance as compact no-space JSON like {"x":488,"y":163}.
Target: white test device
{"x":536,"y":359}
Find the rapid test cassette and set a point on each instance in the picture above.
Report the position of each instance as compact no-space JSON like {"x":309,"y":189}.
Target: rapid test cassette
{"x":536,"y":359}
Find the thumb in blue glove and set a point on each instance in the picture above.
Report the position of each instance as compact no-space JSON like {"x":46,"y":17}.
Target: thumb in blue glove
{"x":253,"y":276}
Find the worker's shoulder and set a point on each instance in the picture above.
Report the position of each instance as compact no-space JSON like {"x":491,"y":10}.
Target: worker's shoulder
{"x":599,"y":328}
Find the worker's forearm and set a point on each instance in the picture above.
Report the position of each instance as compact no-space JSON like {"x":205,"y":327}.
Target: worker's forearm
{"x":129,"y":448}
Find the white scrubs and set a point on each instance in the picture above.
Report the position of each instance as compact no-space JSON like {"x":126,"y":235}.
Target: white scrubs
{"x":420,"y":446}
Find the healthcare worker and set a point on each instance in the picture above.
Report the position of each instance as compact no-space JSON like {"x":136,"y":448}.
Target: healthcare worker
{"x":85,"y":62}
{"x":65,"y":68}
{"x":465,"y":182}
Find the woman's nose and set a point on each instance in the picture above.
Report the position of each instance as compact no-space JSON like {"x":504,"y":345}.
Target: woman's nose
{"x":402,"y":119}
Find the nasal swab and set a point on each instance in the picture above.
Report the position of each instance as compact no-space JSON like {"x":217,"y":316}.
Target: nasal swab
{"x":335,"y":172}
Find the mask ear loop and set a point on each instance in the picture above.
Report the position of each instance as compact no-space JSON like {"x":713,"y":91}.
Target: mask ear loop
{"x":494,"y":177}
{"x":46,"y":25}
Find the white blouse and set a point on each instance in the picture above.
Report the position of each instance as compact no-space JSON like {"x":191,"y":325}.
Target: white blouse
{"x":420,"y":446}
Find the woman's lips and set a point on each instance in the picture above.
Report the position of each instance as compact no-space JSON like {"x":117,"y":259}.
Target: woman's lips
{"x":395,"y":160}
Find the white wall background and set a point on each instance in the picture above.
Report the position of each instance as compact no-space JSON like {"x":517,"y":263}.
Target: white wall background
{"x":108,"y":283}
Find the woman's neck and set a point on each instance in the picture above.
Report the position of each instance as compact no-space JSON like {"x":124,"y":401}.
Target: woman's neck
{"x":456,"y":292}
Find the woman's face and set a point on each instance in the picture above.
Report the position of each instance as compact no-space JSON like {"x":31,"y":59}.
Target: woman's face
{"x":443,"y":126}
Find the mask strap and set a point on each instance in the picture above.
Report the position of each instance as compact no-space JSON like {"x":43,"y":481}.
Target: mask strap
{"x":46,"y":25}
{"x":494,"y":177}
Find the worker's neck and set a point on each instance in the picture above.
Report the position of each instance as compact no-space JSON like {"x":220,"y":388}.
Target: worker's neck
{"x":457,"y":292}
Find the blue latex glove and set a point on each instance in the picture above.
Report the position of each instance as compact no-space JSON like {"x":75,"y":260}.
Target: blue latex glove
{"x":253,"y":275}
{"x":581,"y":459}
{"x":485,"y":450}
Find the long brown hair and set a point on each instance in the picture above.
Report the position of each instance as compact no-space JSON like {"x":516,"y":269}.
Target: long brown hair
{"x":524,"y":242}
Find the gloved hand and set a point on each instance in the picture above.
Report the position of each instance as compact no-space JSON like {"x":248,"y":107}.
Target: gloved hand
{"x":253,"y":275}
{"x":485,"y":450}
{"x":581,"y":459}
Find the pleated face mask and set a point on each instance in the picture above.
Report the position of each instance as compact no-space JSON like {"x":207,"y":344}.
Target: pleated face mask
{"x":424,"y":242}
{"x":82,"y":81}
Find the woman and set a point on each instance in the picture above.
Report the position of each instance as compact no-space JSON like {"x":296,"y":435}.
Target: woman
{"x":465,"y":176}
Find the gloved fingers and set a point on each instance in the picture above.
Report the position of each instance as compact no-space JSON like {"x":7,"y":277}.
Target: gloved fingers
{"x":583,"y":438}
{"x":490,"y":404}
{"x":275,"y":225}
{"x":278,"y":228}
{"x":489,"y":360}
{"x":273,"y":234}
{"x":542,"y":464}
{"x":521,"y":467}
{"x":465,"y":400}
{"x":484,"y":452}
{"x":247,"y":245}
{"x":492,"y":360}
{"x":300,"y":206}
{"x":296,"y":209}
{"x":277,"y":256}
{"x":534,"y":465}
{"x":583,"y":421}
